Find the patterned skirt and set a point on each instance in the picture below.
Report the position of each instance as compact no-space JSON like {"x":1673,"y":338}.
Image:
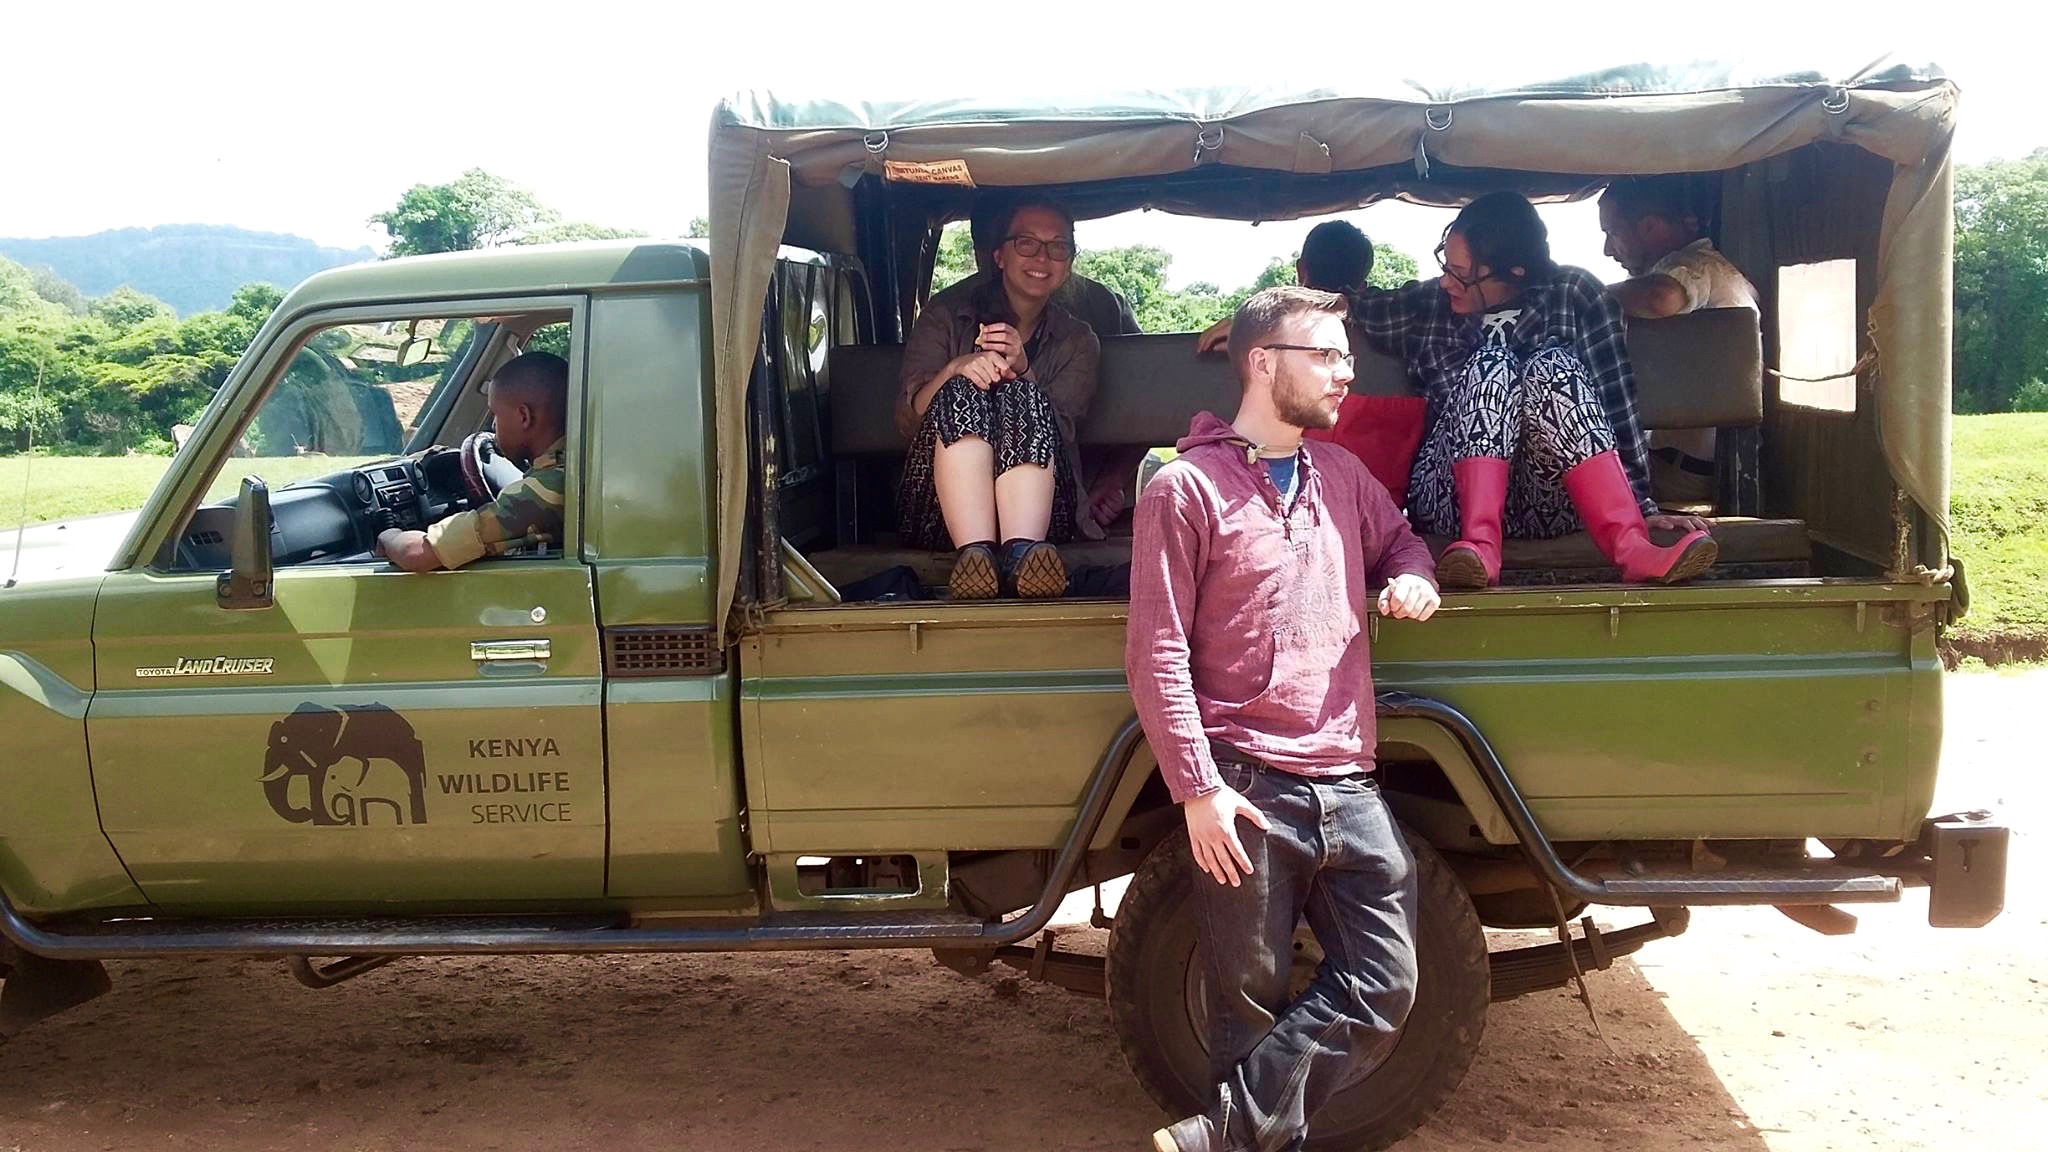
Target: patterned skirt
{"x":1541,"y":414}
{"x":1019,"y":422}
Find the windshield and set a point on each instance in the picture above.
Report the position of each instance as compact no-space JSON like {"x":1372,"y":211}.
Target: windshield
{"x":352,"y":393}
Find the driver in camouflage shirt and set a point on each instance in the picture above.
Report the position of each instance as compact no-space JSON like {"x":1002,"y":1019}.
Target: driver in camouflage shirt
{"x":529,"y":401}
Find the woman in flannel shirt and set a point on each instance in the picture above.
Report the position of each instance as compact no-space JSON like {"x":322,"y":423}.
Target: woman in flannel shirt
{"x":1532,"y":428}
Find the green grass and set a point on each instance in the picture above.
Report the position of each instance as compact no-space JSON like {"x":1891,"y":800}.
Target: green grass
{"x":68,"y":487}
{"x":1999,"y":510}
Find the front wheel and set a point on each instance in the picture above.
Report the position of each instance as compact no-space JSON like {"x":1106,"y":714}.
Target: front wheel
{"x":1158,"y":1002}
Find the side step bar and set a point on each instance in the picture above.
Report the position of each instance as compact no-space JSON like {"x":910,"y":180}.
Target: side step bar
{"x":1820,"y":884}
{"x":479,"y":935}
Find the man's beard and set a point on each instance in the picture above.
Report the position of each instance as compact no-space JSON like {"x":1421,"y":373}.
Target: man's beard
{"x":1300,"y":402}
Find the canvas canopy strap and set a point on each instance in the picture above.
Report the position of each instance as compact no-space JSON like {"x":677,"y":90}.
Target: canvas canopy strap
{"x":1308,"y":153}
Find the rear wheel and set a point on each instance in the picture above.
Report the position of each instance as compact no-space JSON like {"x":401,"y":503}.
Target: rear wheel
{"x":1158,"y":1002}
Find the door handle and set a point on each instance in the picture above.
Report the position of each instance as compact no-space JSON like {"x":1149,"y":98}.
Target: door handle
{"x":504,"y":651}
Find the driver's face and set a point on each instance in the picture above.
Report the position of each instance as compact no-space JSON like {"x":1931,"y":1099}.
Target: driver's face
{"x":513,"y":423}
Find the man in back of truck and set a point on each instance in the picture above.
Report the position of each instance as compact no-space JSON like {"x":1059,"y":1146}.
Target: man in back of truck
{"x":1654,"y":231}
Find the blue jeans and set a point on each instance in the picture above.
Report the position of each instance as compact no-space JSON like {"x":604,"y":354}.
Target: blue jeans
{"x":1334,"y":855}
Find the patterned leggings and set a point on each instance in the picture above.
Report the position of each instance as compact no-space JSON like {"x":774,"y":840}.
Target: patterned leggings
{"x":1019,"y":423}
{"x":1541,"y":414}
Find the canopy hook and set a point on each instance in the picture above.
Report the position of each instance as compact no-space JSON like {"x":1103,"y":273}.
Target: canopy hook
{"x":876,"y":142}
{"x":1435,"y":112}
{"x":1207,"y":140}
{"x":1836,"y":101}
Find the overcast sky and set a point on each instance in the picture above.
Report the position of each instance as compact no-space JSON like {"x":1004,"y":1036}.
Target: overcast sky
{"x":307,"y":117}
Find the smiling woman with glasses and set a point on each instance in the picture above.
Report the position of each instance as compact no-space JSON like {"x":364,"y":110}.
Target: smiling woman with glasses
{"x":990,"y":390}
{"x":1532,"y":428}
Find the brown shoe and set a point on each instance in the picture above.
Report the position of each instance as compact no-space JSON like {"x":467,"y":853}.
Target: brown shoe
{"x":974,"y":573}
{"x":1033,"y":570}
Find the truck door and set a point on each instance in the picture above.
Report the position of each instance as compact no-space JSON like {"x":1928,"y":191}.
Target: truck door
{"x":371,"y":738}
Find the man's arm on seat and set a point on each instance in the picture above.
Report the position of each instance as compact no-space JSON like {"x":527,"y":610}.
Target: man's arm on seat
{"x":1653,"y":296}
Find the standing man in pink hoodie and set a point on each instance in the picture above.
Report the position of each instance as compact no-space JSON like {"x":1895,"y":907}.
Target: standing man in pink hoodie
{"x":1247,"y":655}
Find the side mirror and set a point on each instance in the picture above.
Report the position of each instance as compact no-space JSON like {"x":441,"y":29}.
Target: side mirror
{"x":247,"y":584}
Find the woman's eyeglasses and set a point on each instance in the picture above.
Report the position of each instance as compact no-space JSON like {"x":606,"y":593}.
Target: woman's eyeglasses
{"x":1060,"y":250}
{"x":1469,"y":280}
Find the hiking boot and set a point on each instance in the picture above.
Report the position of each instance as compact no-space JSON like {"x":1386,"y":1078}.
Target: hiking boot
{"x":1033,"y":570}
{"x":974,"y":573}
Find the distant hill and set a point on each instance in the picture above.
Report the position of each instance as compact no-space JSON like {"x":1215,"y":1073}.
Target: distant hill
{"x":191,"y":267}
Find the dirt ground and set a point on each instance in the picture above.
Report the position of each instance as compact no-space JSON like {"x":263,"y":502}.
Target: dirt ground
{"x":1748,"y":1033}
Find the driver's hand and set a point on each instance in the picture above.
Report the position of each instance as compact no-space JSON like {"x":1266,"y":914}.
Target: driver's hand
{"x":1214,"y":339}
{"x":384,"y":538}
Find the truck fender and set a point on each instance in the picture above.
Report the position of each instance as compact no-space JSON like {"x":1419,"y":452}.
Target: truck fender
{"x":1403,"y":736}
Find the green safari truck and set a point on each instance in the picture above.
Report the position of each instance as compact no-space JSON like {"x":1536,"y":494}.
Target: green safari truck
{"x":244,"y":734}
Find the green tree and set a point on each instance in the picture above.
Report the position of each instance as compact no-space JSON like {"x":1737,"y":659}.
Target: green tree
{"x":18,"y":289}
{"x":477,"y":210}
{"x":255,"y":302}
{"x":699,"y":229}
{"x":125,"y":308}
{"x":1392,"y":268}
{"x":2001,"y":281}
{"x":955,"y":258}
{"x":1137,"y":271}
{"x":118,"y":376}
{"x":577,"y":230}
{"x":57,"y":290}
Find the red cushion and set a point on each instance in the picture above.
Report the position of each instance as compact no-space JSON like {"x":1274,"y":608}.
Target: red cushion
{"x":1383,"y":431}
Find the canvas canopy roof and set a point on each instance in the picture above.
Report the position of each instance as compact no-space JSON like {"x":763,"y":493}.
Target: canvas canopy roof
{"x":784,"y":171}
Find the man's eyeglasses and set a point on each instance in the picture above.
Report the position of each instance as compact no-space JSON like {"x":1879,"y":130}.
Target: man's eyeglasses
{"x":1331,"y":357}
{"x":1060,"y":250}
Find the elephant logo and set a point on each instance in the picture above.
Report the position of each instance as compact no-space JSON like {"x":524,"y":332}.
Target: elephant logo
{"x":353,"y":766}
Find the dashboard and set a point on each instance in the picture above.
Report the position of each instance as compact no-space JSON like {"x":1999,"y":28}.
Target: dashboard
{"x":336,"y":518}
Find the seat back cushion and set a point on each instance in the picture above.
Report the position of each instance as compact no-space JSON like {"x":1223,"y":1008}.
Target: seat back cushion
{"x":1700,"y":370}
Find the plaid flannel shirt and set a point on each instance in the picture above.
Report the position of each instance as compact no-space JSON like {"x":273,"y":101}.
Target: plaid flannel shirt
{"x":1572,"y":310}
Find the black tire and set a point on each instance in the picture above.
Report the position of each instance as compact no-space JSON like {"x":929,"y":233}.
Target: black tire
{"x":1152,"y":987}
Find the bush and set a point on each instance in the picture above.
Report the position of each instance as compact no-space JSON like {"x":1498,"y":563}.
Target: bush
{"x":2032,"y":397}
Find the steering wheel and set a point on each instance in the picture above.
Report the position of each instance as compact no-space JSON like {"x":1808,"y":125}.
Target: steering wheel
{"x":484,"y":472}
